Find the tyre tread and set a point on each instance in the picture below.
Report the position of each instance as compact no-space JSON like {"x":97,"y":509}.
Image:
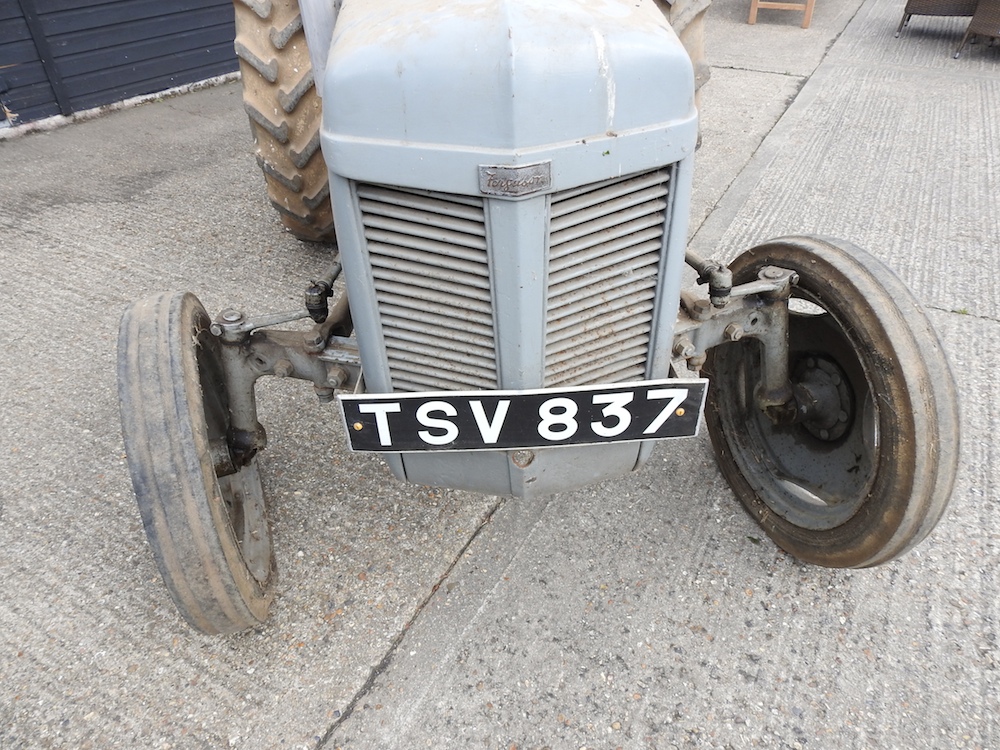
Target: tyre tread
{"x":208,"y":587}
{"x":285,"y":113}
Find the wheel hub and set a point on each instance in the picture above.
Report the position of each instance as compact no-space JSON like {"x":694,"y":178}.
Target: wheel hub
{"x":823,"y":397}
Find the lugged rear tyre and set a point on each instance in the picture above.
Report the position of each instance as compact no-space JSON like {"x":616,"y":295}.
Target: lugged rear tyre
{"x":285,"y":112}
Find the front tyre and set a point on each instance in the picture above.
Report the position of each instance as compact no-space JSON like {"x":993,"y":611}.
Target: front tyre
{"x":204,"y":513}
{"x":868,"y":474}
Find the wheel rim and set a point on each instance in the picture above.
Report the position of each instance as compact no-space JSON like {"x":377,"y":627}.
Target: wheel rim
{"x":818,"y":474}
{"x":238,"y":486}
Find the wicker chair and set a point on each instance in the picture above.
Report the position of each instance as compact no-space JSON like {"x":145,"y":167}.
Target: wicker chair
{"x":985,"y":22}
{"x":936,"y":8}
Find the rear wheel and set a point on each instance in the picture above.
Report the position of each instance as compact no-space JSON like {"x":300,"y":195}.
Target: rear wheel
{"x":285,"y":112}
{"x":867,"y":472}
{"x":204,"y":514}
{"x":687,"y":18}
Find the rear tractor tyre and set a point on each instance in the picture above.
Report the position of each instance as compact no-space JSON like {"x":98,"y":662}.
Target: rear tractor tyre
{"x":279,"y":95}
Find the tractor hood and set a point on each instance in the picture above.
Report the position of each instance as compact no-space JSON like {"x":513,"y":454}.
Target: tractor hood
{"x":509,"y":77}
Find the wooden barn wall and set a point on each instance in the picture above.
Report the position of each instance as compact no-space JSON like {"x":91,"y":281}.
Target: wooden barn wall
{"x":63,"y":56}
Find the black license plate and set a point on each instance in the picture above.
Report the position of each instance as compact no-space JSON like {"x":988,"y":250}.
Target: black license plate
{"x":506,"y":420}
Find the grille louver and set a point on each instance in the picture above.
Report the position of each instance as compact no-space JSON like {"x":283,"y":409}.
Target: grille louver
{"x":605,"y":244}
{"x":432,"y":282}
{"x":430,"y":264}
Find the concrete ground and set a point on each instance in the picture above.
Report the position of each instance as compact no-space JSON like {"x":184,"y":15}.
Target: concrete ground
{"x":643,"y":613}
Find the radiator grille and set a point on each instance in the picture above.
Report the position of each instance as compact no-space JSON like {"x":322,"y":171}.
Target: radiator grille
{"x":428,"y":253}
{"x":605,"y":244}
{"x":432,"y":283}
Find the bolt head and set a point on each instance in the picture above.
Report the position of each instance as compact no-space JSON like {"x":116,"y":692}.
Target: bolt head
{"x":336,"y":377}
{"x":701,"y":309}
{"x":733,"y":332}
{"x":684,"y":348}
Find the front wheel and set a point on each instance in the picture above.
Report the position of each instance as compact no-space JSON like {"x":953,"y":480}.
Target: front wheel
{"x":203,"y":512}
{"x":867,"y":475}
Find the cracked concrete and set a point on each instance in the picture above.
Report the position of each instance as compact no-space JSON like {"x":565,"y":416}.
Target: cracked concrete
{"x":387,"y":660}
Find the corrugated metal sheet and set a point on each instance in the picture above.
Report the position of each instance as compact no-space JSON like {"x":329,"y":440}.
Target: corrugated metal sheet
{"x":103,"y":52}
